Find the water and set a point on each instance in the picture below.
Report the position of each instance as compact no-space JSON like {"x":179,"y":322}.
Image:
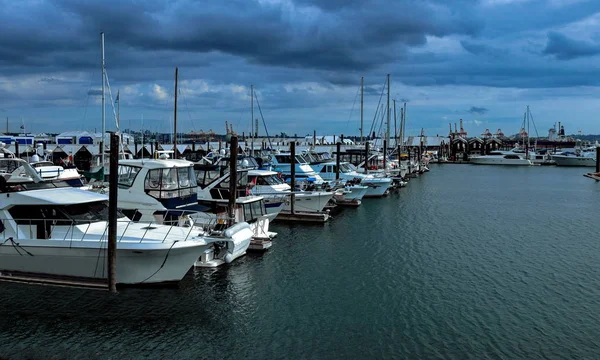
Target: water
{"x":465,"y":262}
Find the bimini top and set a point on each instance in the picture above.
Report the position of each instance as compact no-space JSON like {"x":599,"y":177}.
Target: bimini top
{"x":57,"y":196}
{"x":157,"y":164}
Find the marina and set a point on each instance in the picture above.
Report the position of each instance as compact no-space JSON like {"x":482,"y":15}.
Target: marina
{"x":299,"y":180}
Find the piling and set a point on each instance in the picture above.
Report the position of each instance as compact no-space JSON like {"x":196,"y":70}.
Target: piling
{"x":17,"y":154}
{"x":597,"y":158}
{"x":293,"y":172}
{"x":366,"y":156}
{"x":337,"y":160}
{"x":112,"y":212}
{"x":233,"y":151}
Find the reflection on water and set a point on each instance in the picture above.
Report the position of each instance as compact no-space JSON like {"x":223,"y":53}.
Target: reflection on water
{"x":465,"y":262}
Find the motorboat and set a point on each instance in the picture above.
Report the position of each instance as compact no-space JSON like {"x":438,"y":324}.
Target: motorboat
{"x":214,"y":193}
{"x":579,"y":158}
{"x":377,"y":186}
{"x":270,"y":185}
{"x":501,"y":158}
{"x":165,"y":191}
{"x":52,"y":230}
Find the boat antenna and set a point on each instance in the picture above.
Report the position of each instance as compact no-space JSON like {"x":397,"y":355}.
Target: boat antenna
{"x":103,"y":104}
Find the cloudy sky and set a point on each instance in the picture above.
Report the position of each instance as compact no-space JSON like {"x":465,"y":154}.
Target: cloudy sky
{"x":480,"y":60}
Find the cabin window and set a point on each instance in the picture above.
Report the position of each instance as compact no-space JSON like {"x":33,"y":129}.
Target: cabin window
{"x":170,"y":183}
{"x":127,"y":175}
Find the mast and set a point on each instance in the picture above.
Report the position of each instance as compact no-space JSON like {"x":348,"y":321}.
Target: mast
{"x":395,"y":126}
{"x":387,"y":130}
{"x":362,"y":93}
{"x":252,"y":120}
{"x":7,"y":125}
{"x":103,"y":99}
{"x":175,"y":116}
{"x":403,"y":123}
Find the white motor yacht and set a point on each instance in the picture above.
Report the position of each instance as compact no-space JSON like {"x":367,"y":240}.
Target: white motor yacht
{"x":377,"y":186}
{"x":501,"y":158}
{"x":583,"y":158}
{"x":165,"y":191}
{"x":62,"y":232}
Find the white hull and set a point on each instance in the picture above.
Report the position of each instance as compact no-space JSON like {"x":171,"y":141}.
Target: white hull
{"x":305,"y":201}
{"x":376,"y":187}
{"x":137,"y":263}
{"x":357,"y":192}
{"x":492,"y":160}
{"x":564,"y":160}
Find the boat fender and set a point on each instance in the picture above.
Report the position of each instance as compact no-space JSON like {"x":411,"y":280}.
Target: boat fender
{"x":228,"y":258}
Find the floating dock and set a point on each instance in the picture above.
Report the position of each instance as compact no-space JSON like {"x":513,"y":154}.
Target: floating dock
{"x":595,"y":176}
{"x":27,"y":278}
{"x":302,"y":216}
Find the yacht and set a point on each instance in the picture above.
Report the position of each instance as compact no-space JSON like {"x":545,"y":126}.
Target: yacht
{"x":270,"y":185}
{"x":377,"y":186}
{"x":165,"y":191}
{"x":52,"y":230}
{"x":501,"y":158}
{"x":579,"y":158}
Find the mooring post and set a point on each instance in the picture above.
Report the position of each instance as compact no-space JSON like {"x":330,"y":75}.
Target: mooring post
{"x":233,"y":151}
{"x":293,"y":172}
{"x":366,"y":156}
{"x":112,"y":212}
{"x":337,"y":160}
{"x":17,"y":155}
{"x":597,"y":158}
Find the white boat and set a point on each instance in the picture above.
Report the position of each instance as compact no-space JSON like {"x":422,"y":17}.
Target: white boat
{"x":165,"y":191}
{"x":585,"y":158}
{"x":214,"y":192}
{"x":271,"y":186}
{"x":49,"y":231}
{"x":377,"y":186}
{"x":501,"y":158}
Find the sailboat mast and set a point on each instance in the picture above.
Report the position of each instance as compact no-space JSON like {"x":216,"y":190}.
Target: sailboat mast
{"x":387,"y":130}
{"x":175,"y":116}
{"x":103,"y":100}
{"x":252,"y":120}
{"x":395,"y":126}
{"x":362,"y":95}
{"x":403,"y":124}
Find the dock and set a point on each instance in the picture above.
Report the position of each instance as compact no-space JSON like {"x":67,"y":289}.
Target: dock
{"x":595,"y":176}
{"x":26,"y":278}
{"x":302,"y":216}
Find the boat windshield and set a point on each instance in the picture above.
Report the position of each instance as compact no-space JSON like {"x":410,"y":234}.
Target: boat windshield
{"x":127,"y":175}
{"x":265,"y":180}
{"x":62,"y":214}
{"x":345,"y":168}
{"x":168,"y":183}
{"x":41,"y":163}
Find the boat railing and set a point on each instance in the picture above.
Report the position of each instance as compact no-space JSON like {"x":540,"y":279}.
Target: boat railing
{"x":78,"y":230}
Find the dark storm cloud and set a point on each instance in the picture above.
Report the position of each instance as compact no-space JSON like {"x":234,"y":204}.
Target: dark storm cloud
{"x":331,"y":35}
{"x":565,"y":48}
{"x":475,"y":110}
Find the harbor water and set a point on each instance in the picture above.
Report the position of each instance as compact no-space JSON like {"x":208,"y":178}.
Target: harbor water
{"x":465,"y":262}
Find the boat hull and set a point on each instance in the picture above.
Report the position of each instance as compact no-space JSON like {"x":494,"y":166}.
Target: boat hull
{"x":377,"y":187}
{"x":484,"y":160}
{"x":136,"y":263}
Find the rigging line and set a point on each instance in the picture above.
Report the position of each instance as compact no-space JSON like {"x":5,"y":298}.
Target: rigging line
{"x":263,"y":120}
{"x":16,"y":246}
{"x":534,"y":127}
{"x":379,"y":103}
{"x":352,"y":109}
{"x":87,"y":101}
{"x":185,"y":103}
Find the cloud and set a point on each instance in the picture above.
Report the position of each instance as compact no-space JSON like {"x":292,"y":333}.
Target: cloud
{"x":565,"y":48}
{"x":477,"y":110}
{"x":95,"y":92}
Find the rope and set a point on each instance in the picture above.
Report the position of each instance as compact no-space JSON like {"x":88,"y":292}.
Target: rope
{"x":163,"y":264}
{"x":16,"y":246}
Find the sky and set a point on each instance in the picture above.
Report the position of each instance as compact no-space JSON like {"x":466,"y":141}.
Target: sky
{"x":483,"y":61}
